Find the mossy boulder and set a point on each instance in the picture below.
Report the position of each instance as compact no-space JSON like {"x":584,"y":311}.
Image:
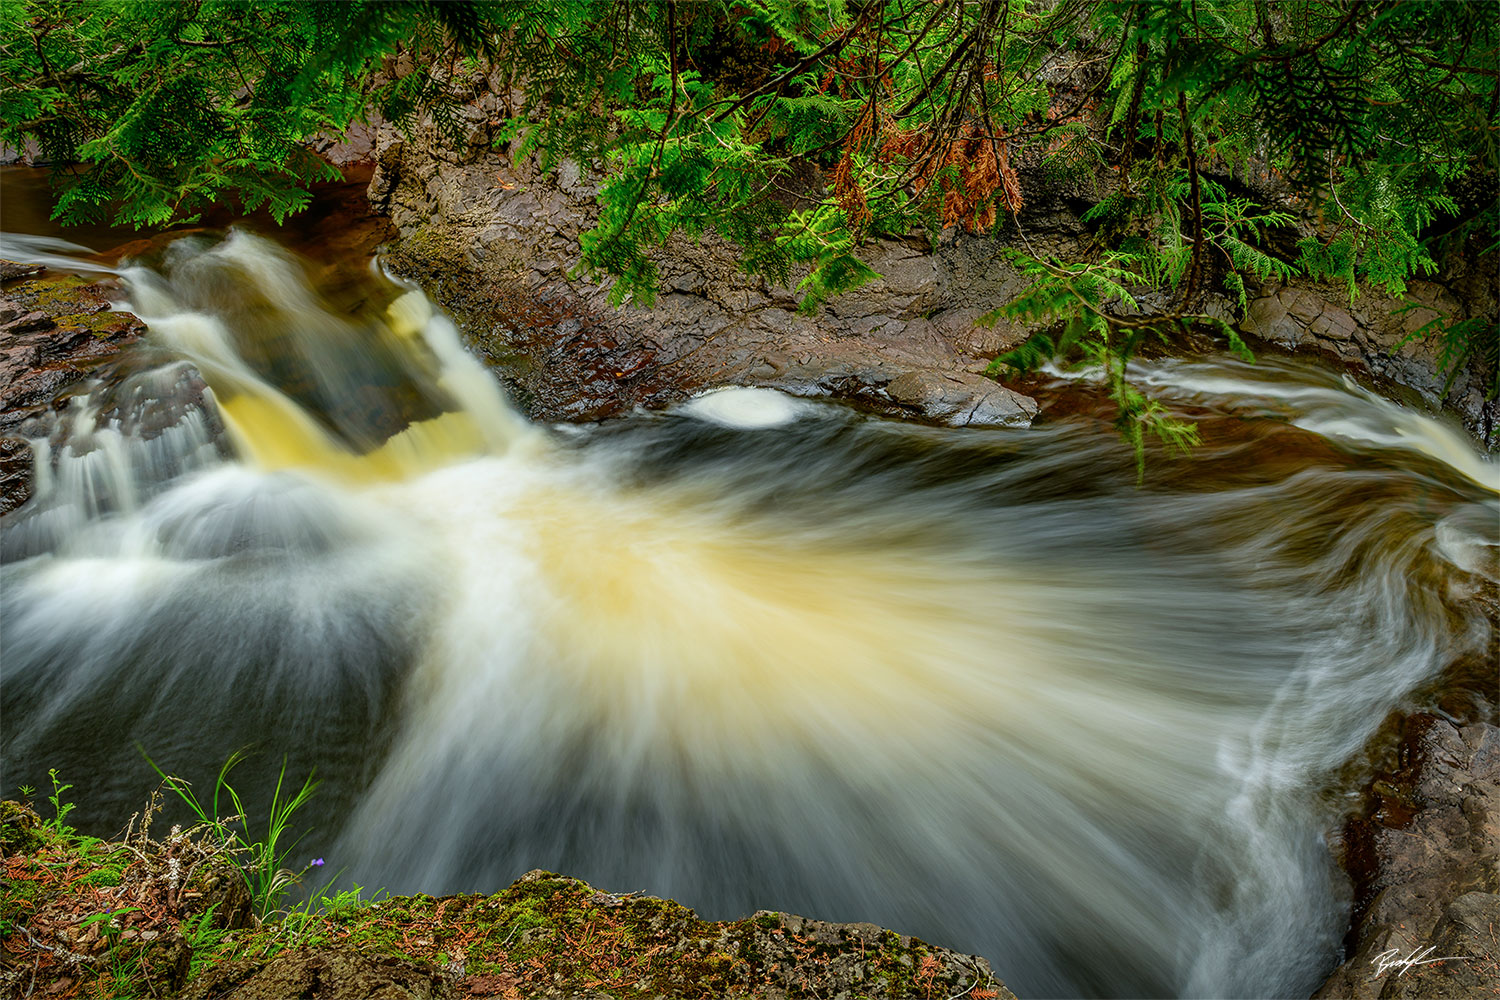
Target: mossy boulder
{"x":115,"y":919}
{"x":552,"y":936}
{"x":20,"y":829}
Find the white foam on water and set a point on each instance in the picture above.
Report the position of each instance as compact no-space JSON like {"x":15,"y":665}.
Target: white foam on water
{"x":50,"y":252}
{"x":1332,"y":407}
{"x":850,"y":670}
{"x":746,"y":407}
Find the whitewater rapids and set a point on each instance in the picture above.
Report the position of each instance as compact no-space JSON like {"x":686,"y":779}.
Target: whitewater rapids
{"x":759,"y":652}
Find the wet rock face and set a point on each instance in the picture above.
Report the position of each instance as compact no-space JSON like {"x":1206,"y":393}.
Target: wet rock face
{"x":1426,"y":864}
{"x":496,"y":243}
{"x":44,"y":349}
{"x":53,"y":333}
{"x":1375,"y":332}
{"x":566,"y":354}
{"x":960,"y":400}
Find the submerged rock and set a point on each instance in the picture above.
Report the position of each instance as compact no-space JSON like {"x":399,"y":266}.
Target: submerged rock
{"x":961,"y":400}
{"x":1426,"y":864}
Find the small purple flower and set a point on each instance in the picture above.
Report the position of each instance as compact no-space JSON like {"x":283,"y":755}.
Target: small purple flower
{"x":317,"y":862}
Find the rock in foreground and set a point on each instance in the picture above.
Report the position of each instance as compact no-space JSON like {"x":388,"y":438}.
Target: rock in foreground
{"x":1426,"y":864}
{"x":545,"y":936}
{"x":54,"y":332}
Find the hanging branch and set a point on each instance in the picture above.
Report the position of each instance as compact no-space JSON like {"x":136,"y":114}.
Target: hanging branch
{"x":941,"y":74}
{"x":830,"y":51}
{"x":672,"y":61}
{"x":1132,"y":119}
{"x":1192,"y":162}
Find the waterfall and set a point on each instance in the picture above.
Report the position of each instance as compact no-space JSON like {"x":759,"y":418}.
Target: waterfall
{"x":754,"y":652}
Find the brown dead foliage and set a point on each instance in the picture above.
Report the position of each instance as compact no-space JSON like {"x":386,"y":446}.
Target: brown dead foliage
{"x":71,"y":905}
{"x":971,"y":170}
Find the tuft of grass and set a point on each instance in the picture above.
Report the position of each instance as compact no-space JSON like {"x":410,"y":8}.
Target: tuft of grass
{"x":262,"y":861}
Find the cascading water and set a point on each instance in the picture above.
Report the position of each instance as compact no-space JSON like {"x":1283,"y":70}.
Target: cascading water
{"x":758,"y":653}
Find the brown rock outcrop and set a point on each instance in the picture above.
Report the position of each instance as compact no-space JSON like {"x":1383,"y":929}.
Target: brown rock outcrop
{"x":497,"y":243}
{"x":1375,"y":332}
{"x":174,"y":918}
{"x":1426,"y":864}
{"x":53,"y":333}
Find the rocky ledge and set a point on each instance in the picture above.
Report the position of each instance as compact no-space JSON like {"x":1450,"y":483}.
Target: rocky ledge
{"x":1425,"y":861}
{"x":54,"y":331}
{"x":495,"y":241}
{"x":173,"y":918}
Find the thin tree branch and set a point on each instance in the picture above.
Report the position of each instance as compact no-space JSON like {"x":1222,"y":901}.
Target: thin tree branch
{"x":1192,"y":162}
{"x":832,"y":48}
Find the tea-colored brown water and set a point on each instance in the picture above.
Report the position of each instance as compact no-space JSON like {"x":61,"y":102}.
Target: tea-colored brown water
{"x":337,"y":227}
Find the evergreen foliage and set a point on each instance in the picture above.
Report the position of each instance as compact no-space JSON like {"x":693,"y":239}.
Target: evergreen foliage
{"x":800,"y":131}
{"x":152,"y":111}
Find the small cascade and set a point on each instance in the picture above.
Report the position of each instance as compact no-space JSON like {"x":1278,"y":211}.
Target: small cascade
{"x":979,"y":686}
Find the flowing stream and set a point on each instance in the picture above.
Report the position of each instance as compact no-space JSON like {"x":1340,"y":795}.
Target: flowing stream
{"x":757,"y":652}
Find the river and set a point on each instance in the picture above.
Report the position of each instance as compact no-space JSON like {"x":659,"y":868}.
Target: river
{"x":756,"y":651}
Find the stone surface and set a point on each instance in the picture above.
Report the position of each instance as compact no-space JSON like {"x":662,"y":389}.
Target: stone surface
{"x":1375,"y":332}
{"x":335,"y":973}
{"x":496,"y":243}
{"x":961,"y":400}
{"x":53,"y":333}
{"x":10,"y":270}
{"x":186,"y":934}
{"x":769,"y":956}
{"x":1426,"y":863}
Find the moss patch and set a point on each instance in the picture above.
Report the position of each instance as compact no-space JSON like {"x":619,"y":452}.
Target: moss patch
{"x":94,"y":919}
{"x":74,"y":303}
